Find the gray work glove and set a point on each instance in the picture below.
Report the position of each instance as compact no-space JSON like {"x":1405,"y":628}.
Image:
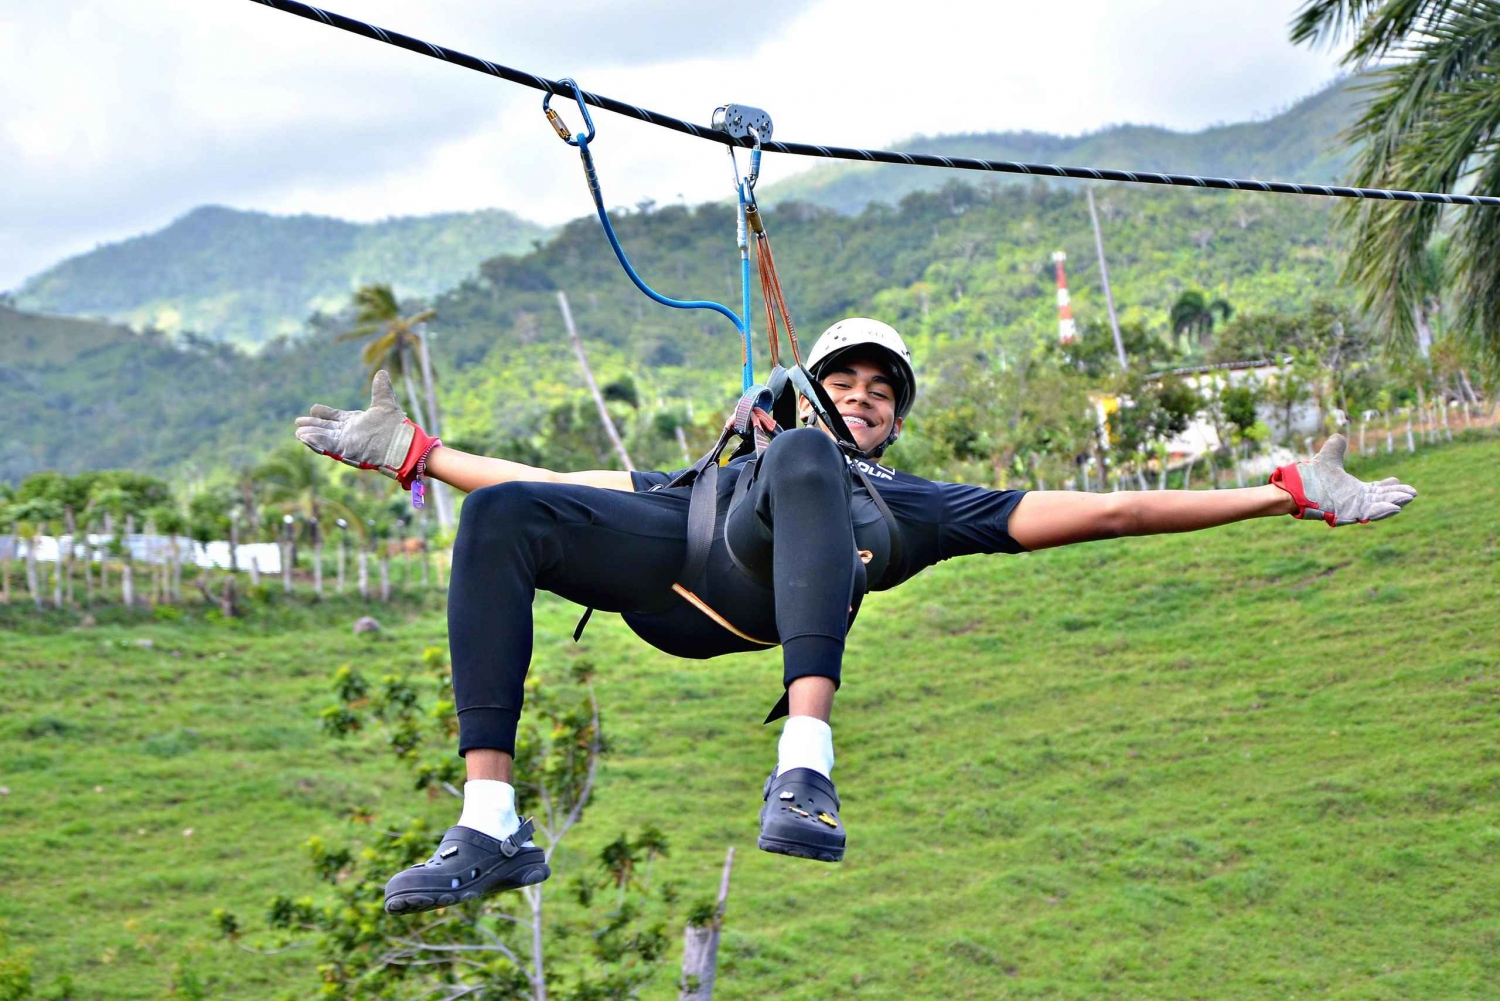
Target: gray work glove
{"x":378,"y":438}
{"x":1323,"y":489}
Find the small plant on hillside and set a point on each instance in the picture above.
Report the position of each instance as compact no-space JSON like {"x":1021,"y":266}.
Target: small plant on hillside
{"x":606,"y":945}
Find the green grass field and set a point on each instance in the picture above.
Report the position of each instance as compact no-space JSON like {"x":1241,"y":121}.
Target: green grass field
{"x":1254,"y":763}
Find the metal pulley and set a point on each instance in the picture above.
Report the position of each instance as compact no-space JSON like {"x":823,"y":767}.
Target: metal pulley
{"x":740,"y":119}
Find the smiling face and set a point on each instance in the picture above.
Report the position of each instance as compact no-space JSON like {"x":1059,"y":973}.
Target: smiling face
{"x":865,"y":396}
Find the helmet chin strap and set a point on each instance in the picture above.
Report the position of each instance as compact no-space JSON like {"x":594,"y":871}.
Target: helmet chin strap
{"x":824,"y":410}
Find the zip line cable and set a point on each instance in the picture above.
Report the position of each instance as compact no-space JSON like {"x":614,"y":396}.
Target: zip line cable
{"x":846,"y":153}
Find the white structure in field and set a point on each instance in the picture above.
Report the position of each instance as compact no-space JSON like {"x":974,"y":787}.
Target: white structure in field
{"x":151,"y":549}
{"x":1067,"y":331}
{"x":1201,"y":437}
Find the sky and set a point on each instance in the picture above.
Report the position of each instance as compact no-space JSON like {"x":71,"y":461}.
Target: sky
{"x":116,"y":118}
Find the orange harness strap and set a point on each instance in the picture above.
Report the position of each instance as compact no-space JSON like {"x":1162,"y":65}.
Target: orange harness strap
{"x":702,"y":606}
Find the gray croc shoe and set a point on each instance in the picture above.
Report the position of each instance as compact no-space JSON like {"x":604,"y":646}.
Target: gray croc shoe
{"x":466,"y":865}
{"x":801,"y":817}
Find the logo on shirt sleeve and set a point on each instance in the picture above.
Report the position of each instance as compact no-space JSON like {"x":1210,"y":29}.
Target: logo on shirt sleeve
{"x":874,"y":469}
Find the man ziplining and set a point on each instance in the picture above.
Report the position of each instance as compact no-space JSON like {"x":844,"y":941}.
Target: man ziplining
{"x":801,"y":531}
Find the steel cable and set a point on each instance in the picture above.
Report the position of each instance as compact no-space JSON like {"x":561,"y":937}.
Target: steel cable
{"x":845,"y":153}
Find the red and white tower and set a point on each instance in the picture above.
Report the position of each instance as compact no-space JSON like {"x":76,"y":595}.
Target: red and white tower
{"x":1067,"y":332}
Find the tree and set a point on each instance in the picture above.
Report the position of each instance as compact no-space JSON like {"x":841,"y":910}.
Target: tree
{"x":378,"y":313}
{"x":1194,"y":313}
{"x":294,"y":482}
{"x":1431,"y":125}
{"x":399,"y":348}
{"x":8,"y":540}
{"x":31,"y":518}
{"x":496,"y":947}
{"x":1151,"y":413}
{"x":1092,"y":352}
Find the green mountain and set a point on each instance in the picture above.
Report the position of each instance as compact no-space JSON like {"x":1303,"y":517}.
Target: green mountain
{"x":1299,"y":144}
{"x":963,"y":272}
{"x":963,"y":269}
{"x":83,"y":395}
{"x":247,"y":277}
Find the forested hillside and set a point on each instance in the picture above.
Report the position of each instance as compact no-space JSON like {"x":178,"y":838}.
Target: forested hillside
{"x":247,"y":277}
{"x":79,"y":395}
{"x":1300,"y":144}
{"x":963,"y":270}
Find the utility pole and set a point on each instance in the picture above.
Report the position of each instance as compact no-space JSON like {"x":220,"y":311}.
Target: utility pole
{"x":1109,"y":295}
{"x":588,"y":377}
{"x":440,"y":497}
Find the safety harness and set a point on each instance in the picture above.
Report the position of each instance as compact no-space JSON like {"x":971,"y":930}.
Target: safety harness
{"x":764,"y":410}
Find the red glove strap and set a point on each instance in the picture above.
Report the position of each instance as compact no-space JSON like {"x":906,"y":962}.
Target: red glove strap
{"x":1288,"y":479}
{"x":421,"y":444}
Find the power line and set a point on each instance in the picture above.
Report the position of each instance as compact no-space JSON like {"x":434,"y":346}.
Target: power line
{"x":535,"y":82}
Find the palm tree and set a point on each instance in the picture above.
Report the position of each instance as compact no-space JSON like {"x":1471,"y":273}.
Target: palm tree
{"x":396,"y":342}
{"x":8,"y":540}
{"x":31,"y":518}
{"x":399,"y":348}
{"x":1430,"y":124}
{"x":1195,"y":313}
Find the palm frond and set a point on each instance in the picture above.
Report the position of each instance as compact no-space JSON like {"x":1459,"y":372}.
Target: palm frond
{"x":1431,"y":122}
{"x":376,"y":304}
{"x":1379,"y":27}
{"x":1474,"y":265}
{"x":363,"y":330}
{"x":1327,"y":22}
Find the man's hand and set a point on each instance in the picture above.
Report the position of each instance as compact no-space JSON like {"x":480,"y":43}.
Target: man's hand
{"x":378,"y":438}
{"x":1323,"y":489}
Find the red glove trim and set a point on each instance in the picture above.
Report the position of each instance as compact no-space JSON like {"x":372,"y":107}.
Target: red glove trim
{"x":1288,"y":479}
{"x":421,"y":444}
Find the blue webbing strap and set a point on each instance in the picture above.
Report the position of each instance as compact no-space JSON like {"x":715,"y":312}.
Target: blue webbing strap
{"x":747,"y":374}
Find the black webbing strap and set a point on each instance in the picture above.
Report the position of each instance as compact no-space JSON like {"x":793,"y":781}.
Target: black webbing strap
{"x":823,"y":407}
{"x":689,"y":476}
{"x":588,"y":613}
{"x":892,"y":530}
{"x":703,"y":509}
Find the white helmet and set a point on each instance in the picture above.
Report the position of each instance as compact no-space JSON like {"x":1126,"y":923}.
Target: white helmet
{"x":861,"y":331}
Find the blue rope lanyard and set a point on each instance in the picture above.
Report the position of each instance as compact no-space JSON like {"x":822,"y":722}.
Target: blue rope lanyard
{"x":581,"y":141}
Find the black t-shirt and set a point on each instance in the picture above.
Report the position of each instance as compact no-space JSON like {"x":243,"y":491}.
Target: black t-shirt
{"x":937,"y":520}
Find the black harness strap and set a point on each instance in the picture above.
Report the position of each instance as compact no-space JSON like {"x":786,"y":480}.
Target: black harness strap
{"x":892,"y":532}
{"x":702,"y":511}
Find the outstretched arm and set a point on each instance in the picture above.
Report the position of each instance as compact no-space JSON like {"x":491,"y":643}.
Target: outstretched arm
{"x":1320,"y":488}
{"x":382,"y":438}
{"x":1048,"y":518}
{"x":467,"y":472}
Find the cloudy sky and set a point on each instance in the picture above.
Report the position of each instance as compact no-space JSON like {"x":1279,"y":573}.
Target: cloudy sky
{"x":115,"y":118}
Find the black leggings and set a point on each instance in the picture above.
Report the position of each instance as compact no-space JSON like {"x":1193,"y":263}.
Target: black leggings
{"x":791,"y":577}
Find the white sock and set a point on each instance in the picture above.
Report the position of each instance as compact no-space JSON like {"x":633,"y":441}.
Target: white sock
{"x":490,"y":808}
{"x":806,"y":742}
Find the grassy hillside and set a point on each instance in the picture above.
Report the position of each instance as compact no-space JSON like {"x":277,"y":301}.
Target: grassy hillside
{"x":1258,"y":762}
{"x":1299,"y":144}
{"x":247,"y":277}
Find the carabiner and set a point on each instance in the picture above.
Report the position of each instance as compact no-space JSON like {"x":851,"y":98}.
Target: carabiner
{"x":754,"y":174}
{"x":561,"y":127}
